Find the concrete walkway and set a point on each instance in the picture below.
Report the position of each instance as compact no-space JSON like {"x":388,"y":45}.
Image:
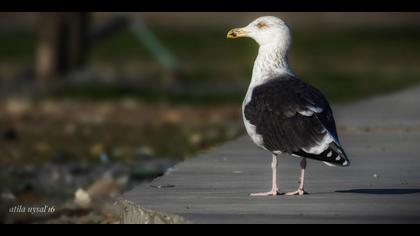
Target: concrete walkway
{"x":381,"y":136}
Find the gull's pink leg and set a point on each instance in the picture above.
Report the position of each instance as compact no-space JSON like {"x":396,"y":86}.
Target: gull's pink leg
{"x":301,"y":190}
{"x":274,"y":190}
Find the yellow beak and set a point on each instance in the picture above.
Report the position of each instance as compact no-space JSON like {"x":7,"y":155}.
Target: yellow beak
{"x":237,"y":33}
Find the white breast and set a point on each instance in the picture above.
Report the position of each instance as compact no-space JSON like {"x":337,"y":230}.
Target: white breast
{"x":269,"y":64}
{"x":250,"y":128}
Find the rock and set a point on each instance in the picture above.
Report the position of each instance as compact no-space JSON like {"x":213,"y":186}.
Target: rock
{"x":82,"y":198}
{"x":7,"y":196}
{"x":103,"y":188}
{"x":146,"y":170}
{"x":144,"y":152}
{"x":54,"y":176}
{"x":195,"y":138}
{"x":123,"y":180}
{"x":17,"y":107}
{"x":172,"y":117}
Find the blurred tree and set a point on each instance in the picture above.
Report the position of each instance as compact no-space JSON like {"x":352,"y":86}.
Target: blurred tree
{"x":63,"y":43}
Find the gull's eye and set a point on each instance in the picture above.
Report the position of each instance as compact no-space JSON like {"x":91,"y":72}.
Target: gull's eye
{"x":262,"y":25}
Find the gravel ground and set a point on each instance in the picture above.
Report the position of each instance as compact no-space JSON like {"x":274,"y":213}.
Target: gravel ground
{"x":70,"y":160}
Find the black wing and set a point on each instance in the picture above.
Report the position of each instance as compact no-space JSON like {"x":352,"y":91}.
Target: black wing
{"x":294,"y":117}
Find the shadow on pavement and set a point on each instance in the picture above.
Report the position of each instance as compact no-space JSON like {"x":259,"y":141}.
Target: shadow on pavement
{"x":382,"y":191}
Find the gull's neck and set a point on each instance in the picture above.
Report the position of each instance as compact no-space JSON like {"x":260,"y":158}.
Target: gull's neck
{"x":271,"y":61}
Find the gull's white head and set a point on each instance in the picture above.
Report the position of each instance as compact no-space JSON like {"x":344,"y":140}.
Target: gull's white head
{"x":265,"y":30}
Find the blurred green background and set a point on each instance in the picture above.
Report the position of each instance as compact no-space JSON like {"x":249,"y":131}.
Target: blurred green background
{"x":127,"y":95}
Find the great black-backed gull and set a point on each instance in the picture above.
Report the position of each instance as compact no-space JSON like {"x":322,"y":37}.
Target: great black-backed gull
{"x":283,"y":114}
